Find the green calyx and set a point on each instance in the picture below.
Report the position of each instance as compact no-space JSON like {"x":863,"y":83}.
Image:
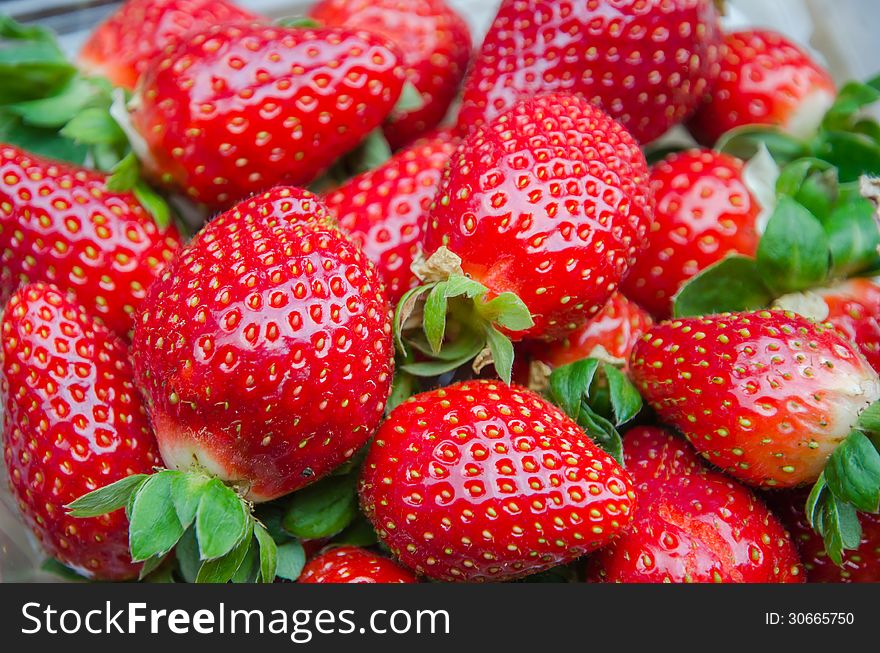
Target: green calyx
{"x":849,"y":484}
{"x":450,"y":321}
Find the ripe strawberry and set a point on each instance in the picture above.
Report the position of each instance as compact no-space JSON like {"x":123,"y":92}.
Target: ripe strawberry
{"x":647,"y":63}
{"x":350,"y":564}
{"x":60,"y":224}
{"x":693,"y":525}
{"x":764,"y":79}
{"x":238,"y":109}
{"x":550,"y":202}
{"x":121,"y":47}
{"x":265,"y":348}
{"x":861,"y":565}
{"x":481,"y":481}
{"x":609,"y":336}
{"x":703,"y":211}
{"x":384,"y":210}
{"x":72,"y":421}
{"x":766,"y":395}
{"x":436,"y":46}
{"x":854,"y":310}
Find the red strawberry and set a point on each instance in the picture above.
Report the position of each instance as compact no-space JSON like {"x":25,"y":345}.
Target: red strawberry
{"x":861,"y":565}
{"x":703,"y":211}
{"x":693,"y":525}
{"x":646,"y":62}
{"x":59,"y":223}
{"x":609,"y":336}
{"x":852,"y":306}
{"x":436,"y":46}
{"x":384,"y":210}
{"x":550,"y":202}
{"x":765,"y":79}
{"x":121,"y":47}
{"x":350,"y":564}
{"x":481,"y":481}
{"x":766,"y":396}
{"x":72,"y":421}
{"x":238,"y":109}
{"x":265,"y":348}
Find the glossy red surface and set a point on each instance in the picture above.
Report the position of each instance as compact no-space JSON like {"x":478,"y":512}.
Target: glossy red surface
{"x":854,"y":308}
{"x":350,"y":564}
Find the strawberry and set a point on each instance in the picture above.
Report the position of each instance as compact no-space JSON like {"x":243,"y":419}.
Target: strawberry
{"x":647,"y":63}
{"x":861,"y":565}
{"x":121,"y":47}
{"x":436,"y":46}
{"x":351,"y":564}
{"x":384,"y":210}
{"x":541,"y":211}
{"x":72,"y":420}
{"x":265,"y":348}
{"x":703,"y":212}
{"x":238,"y":109}
{"x":481,"y":481}
{"x":766,"y":395}
{"x":609,"y":336}
{"x":693,"y":525}
{"x":764,"y":79}
{"x":60,"y":224}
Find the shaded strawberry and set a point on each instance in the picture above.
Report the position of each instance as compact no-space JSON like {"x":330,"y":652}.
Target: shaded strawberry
{"x":72,"y":421}
{"x":693,"y":525}
{"x":238,"y":109}
{"x":703,"y":212}
{"x":764,"y":79}
{"x":480,"y":481}
{"x":384,"y":210}
{"x":351,"y":564}
{"x":122,"y":46}
{"x":59,"y":223}
{"x":436,"y":46}
{"x":647,"y":63}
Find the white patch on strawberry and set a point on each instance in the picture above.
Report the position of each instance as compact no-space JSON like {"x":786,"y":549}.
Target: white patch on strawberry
{"x":441,"y":265}
{"x":119,"y":111}
{"x":807,"y":117}
{"x":759,"y":175}
{"x":808,"y":304}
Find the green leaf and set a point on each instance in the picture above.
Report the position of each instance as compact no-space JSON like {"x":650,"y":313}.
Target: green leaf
{"x":221,"y":520}
{"x":569,"y":384}
{"x":187,"y":554}
{"x":249,"y":569}
{"x":322,"y":509}
{"x":813,"y":508}
{"x":602,"y":432}
{"x":853,"y":472}
{"x":153,"y":203}
{"x":428,"y":369}
{"x":869,"y":420}
{"x":268,"y":554}
{"x":403,"y":386}
{"x":850,"y":99}
{"x":502,"y":353}
{"x":106,"y":499}
{"x":291,"y":560}
{"x":125,"y":175}
{"x":625,"y":399}
{"x":744,"y":142}
{"x":460,"y":285}
{"x":374,"y":151}
{"x":405,"y":308}
{"x":56,"y":111}
{"x":853,"y":154}
{"x":42,"y":142}
{"x":732,"y":284}
{"x":410,"y":99}
{"x":853,"y":237}
{"x":31,"y":70}
{"x":56,"y":568}
{"x":11,"y":30}
{"x":506,"y":309}
{"x":466,"y":341}
{"x":223,"y":568}
{"x":303,"y":22}
{"x":151,"y":565}
{"x":186,"y":492}
{"x":812,"y":183}
{"x":359,"y":533}
{"x":434,"y":323}
{"x":154,"y":528}
{"x":840,"y":525}
{"x":94,"y":126}
{"x":794,"y":253}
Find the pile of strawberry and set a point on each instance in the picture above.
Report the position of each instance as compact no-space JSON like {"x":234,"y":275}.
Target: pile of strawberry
{"x":279,"y":307}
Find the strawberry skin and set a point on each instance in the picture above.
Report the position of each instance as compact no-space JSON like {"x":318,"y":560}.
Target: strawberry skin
{"x":73,"y":421}
{"x":764,"y":79}
{"x":551,"y":202}
{"x":610,"y":336}
{"x":265,"y":348}
{"x":647,"y":63}
{"x":384,"y":210}
{"x":481,"y":481}
{"x":861,"y":565}
{"x":351,"y":564}
{"x":703,"y":211}
{"x":238,"y":109}
{"x":764,"y":395}
{"x":854,"y":309}
{"x":121,"y":47}
{"x":436,"y":46}
{"x":693,"y":525}
{"x":60,"y":224}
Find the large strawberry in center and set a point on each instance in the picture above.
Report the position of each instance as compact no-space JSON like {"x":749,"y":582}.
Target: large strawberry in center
{"x":238,"y":109}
